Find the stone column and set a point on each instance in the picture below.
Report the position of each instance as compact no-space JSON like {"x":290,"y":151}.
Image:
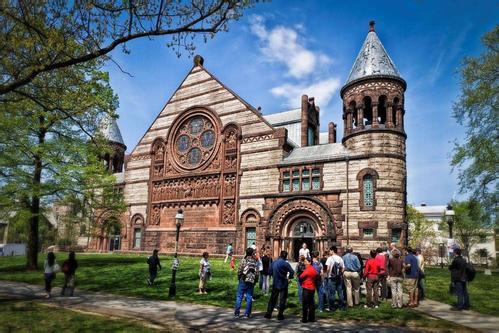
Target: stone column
{"x":398,"y":116}
{"x":389,"y":115}
{"x":349,"y":120}
{"x":375,"y":115}
{"x":360,"y":116}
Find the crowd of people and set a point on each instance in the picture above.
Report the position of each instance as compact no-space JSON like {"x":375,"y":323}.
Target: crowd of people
{"x":336,"y":279}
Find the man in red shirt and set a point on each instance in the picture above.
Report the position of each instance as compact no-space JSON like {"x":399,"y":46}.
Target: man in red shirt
{"x":309,"y":279}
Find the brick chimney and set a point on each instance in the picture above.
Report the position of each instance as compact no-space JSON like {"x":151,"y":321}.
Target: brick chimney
{"x":331,"y":132}
{"x":304,"y":120}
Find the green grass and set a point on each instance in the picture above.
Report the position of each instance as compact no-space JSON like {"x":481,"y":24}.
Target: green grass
{"x":29,"y":316}
{"x":126,"y":275}
{"x":483,"y":290}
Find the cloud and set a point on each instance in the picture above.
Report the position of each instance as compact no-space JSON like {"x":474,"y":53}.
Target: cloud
{"x":322,"y":90}
{"x":284,"y":45}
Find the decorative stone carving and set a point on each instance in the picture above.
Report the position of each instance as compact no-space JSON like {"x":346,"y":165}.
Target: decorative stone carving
{"x":156,"y":215}
{"x":186,"y":188}
{"x":229,"y":212}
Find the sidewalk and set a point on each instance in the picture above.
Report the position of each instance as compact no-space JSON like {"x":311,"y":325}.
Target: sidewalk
{"x":472,"y":319}
{"x":180,"y":317}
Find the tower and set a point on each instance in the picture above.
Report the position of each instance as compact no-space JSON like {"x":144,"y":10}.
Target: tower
{"x":109,"y":129}
{"x":373,"y":115}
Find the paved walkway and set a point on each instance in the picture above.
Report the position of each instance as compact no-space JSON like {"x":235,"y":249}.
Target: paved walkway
{"x":472,"y":319}
{"x":179,"y":317}
{"x":182,"y":317}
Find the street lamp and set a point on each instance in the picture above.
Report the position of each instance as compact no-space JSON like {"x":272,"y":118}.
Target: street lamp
{"x":449,"y":215}
{"x":179,"y":220}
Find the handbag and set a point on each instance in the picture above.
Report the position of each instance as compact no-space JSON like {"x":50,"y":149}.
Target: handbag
{"x":57,"y":268}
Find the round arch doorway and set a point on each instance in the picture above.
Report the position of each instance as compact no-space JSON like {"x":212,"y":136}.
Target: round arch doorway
{"x":302,"y":232}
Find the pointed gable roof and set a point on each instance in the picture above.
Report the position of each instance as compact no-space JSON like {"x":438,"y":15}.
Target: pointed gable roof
{"x":110,"y":130}
{"x":372,"y":60}
{"x":200,"y":88}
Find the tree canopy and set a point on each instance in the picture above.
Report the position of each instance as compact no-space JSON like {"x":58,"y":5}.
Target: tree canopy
{"x":48,"y":146}
{"x":477,"y":110}
{"x":39,"y":36}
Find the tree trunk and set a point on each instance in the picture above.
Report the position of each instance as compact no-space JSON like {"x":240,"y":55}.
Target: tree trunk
{"x":33,"y":239}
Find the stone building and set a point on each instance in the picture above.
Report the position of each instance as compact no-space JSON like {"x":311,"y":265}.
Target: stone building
{"x":243,"y":177}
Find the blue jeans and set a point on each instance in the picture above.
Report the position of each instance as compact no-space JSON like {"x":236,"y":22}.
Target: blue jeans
{"x":244,"y":288}
{"x":335,"y":285}
{"x":320,"y":294}
{"x":463,"y":299}
{"x":298,"y":284}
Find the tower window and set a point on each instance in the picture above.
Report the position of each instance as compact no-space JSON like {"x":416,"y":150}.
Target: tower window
{"x":382,"y":110}
{"x":368,"y":191}
{"x":368,"y":111}
{"x":367,"y":185}
{"x":368,"y":232}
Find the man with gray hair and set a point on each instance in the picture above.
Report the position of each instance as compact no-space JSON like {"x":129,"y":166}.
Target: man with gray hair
{"x":352,"y":277}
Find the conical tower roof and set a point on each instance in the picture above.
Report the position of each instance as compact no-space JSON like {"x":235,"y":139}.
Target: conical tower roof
{"x":110,"y":130}
{"x":372,"y":60}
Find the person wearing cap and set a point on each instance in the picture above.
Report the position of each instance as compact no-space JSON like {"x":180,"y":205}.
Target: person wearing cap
{"x":351,"y":277}
{"x":396,"y":278}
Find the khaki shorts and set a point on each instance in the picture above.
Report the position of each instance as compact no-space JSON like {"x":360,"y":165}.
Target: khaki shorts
{"x":410,"y":284}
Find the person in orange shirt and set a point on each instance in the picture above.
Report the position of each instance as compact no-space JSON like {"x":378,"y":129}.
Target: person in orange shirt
{"x":371,"y":272}
{"x":308,"y":284}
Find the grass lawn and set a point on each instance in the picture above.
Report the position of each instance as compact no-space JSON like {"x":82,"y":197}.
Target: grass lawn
{"x":18,"y":316}
{"x":126,"y":275}
{"x":483,"y":290}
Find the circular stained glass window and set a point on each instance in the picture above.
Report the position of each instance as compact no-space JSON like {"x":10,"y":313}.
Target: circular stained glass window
{"x":195,"y":140}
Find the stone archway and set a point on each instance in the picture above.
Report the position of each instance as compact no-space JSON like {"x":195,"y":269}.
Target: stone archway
{"x":297,"y":210}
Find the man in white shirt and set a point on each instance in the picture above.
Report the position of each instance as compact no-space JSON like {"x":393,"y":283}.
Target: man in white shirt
{"x":304,"y":252}
{"x":335,"y":267}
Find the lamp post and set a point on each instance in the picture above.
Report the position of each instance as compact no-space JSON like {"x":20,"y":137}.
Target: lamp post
{"x":449,"y":217}
{"x":179,"y":220}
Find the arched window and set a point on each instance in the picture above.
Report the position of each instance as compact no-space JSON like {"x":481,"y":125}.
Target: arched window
{"x":368,"y":190}
{"x":382,"y":110}
{"x":367,"y":186}
{"x":396,"y":102}
{"x":368,"y":111}
{"x":355,"y":115}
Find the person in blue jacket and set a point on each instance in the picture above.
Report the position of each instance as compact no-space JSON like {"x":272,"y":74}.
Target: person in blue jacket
{"x":281,"y":272}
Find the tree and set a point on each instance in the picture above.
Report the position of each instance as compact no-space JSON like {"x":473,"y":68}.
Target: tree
{"x":470,"y":224}
{"x":421,"y":232}
{"x":47,"y":146}
{"x":478,"y":110}
{"x":37,"y":37}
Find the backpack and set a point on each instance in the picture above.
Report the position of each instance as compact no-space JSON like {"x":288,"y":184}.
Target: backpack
{"x":249,"y":271}
{"x":470,"y":272}
{"x":65,"y":268}
{"x":335,"y":270}
{"x":318,"y":269}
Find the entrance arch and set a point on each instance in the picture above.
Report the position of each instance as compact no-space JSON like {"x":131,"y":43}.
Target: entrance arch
{"x":302,"y":231}
{"x":311,"y":214}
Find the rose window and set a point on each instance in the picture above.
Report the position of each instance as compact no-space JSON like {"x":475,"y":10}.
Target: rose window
{"x":194,"y":141}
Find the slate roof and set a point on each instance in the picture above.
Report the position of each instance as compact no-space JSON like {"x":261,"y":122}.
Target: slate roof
{"x":330,"y":151}
{"x":372,"y":61}
{"x":280,"y":118}
{"x":109,"y":128}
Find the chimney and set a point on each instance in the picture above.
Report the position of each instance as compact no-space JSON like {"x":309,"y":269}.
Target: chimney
{"x":331,"y":132}
{"x":304,"y":120}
